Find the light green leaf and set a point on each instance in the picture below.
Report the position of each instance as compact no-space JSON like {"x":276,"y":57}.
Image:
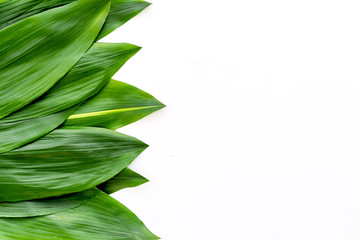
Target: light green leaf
{"x":125,"y":179}
{"x":117,"y":105}
{"x":64,"y":161}
{"x":86,"y":78}
{"x":38,"y":51}
{"x":46,"y":206}
{"x":100,"y":218}
{"x":15,"y":134}
{"x":121,"y":11}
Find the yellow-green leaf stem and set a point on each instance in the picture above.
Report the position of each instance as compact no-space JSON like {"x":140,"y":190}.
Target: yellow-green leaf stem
{"x":115,"y":106}
{"x":86,"y":78}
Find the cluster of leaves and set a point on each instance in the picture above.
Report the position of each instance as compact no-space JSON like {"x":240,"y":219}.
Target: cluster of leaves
{"x":60,"y":156}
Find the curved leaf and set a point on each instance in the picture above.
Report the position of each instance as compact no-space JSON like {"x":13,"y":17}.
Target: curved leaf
{"x":115,"y":106}
{"x":38,"y":51}
{"x":64,"y":161}
{"x":16,"y":134}
{"x":86,"y":78}
{"x":121,"y":11}
{"x":125,"y":179}
{"x":13,"y":11}
{"x":46,"y":206}
{"x":100,"y":218}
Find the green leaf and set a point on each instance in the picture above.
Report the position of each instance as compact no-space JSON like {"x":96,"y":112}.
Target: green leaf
{"x":86,"y":78}
{"x":125,"y":179}
{"x":38,"y":51}
{"x":65,"y":161}
{"x":121,"y":11}
{"x":117,"y":105}
{"x":15,"y":134}
{"x":100,"y":218}
{"x":13,"y":11}
{"x":46,"y":206}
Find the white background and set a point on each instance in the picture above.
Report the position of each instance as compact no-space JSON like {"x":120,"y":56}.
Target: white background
{"x":261,"y":136}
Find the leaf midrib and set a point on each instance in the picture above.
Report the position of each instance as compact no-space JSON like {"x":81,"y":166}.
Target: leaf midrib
{"x":84,"y":115}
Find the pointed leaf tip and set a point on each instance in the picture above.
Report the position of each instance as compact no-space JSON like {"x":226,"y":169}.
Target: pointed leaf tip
{"x":125,"y":179}
{"x":121,"y":12}
{"x":116,"y":105}
{"x":100,"y":218}
{"x":26,"y":47}
{"x":72,"y":159}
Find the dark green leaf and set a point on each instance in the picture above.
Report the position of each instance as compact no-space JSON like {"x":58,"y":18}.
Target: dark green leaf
{"x":13,"y":11}
{"x":125,"y":179}
{"x":38,"y":51}
{"x":46,"y":206}
{"x":64,"y":161}
{"x":15,"y":134}
{"x":117,"y":105}
{"x":100,"y":218}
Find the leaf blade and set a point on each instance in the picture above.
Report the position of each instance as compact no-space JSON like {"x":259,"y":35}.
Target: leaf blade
{"x":13,"y":11}
{"x":127,"y":178}
{"x":46,"y":206}
{"x":37,"y":51}
{"x":15,"y":134}
{"x":116,"y":105}
{"x":121,"y":11}
{"x":64,"y":161}
{"x":100,"y":218}
{"x":85,"y":79}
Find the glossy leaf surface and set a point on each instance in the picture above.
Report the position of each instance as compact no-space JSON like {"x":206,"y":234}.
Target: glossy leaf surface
{"x":125,"y":179}
{"x":100,"y":218}
{"x":115,"y":106}
{"x":86,"y":78}
{"x":38,"y":51}
{"x":64,"y":161}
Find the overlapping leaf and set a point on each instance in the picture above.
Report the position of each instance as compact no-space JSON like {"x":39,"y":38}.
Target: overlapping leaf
{"x":47,"y":186}
{"x":15,"y":134}
{"x":100,"y":218}
{"x":46,"y":206}
{"x":86,"y":78}
{"x":64,"y":161}
{"x":121,"y":11}
{"x":117,"y":105}
{"x":13,"y":11}
{"x":38,"y":51}
{"x":125,"y":179}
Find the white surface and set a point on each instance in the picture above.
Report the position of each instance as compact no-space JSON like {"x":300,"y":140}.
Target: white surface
{"x":260,"y":139}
